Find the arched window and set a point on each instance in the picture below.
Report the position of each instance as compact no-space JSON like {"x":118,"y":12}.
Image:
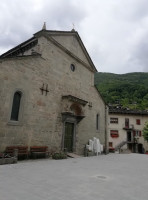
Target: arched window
{"x":16,"y":106}
{"x":97,"y":121}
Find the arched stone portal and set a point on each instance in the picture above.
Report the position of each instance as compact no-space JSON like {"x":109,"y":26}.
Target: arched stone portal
{"x":72,"y":114}
{"x":76,"y":109}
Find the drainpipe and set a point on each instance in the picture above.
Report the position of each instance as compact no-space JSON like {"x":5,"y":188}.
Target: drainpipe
{"x":106,"y":129}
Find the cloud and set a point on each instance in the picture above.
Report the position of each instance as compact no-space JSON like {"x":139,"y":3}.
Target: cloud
{"x":113,"y":31}
{"x":118,"y":28}
{"x":22,"y":19}
{"x":140,"y":54}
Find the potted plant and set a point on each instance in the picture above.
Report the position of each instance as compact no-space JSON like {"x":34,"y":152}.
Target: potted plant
{"x":59,"y":155}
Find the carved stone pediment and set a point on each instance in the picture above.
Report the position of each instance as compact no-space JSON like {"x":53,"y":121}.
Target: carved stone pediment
{"x":73,"y":108}
{"x":75,"y":99}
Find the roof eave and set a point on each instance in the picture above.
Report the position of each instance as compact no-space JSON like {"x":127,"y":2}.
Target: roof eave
{"x":44,"y":32}
{"x":19,"y":47}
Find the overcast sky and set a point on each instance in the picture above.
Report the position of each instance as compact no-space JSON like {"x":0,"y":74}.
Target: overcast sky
{"x":114,"y":32}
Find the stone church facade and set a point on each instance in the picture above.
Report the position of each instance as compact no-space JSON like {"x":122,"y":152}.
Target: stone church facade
{"x":47,"y":94}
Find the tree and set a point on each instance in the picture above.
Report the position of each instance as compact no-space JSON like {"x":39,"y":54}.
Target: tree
{"x":145,"y":131}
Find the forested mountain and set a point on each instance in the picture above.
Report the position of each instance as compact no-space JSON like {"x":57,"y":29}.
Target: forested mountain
{"x":129,"y":90}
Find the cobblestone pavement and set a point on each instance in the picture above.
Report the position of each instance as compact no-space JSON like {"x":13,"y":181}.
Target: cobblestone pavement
{"x":106,"y":177}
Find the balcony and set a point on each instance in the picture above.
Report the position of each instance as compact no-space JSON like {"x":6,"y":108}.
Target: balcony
{"x":128,"y":127}
{"x":133,"y":141}
{"x":130,"y":141}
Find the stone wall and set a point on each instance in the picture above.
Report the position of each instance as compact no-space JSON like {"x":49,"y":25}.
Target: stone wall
{"x":40,"y":120}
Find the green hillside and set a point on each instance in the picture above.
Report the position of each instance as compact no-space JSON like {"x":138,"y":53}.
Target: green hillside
{"x":129,"y":90}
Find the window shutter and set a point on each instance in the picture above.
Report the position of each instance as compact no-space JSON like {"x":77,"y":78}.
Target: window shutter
{"x":139,"y":133}
{"x":114,"y":133}
{"x":138,"y":121}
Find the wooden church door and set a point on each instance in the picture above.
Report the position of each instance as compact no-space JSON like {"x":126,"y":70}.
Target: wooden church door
{"x":69,"y":137}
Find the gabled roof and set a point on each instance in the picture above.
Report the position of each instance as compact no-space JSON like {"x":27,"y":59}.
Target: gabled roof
{"x":123,"y":111}
{"x":20,"y":48}
{"x":48,"y":34}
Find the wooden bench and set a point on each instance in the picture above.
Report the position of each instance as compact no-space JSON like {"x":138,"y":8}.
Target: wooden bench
{"x":39,"y":151}
{"x":22,"y":151}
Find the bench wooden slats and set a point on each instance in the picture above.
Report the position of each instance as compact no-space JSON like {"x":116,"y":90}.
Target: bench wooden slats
{"x":35,"y":151}
{"x":41,"y":151}
{"x":22,"y":150}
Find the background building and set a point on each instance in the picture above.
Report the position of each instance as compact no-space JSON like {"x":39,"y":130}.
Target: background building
{"x":125,"y":129}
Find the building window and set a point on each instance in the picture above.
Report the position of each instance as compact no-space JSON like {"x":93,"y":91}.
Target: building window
{"x":97,"y":121}
{"x":114,"y":133}
{"x":140,"y":134}
{"x":72,"y":67}
{"x":126,"y":123}
{"x":137,"y":133}
{"x":138,"y":121}
{"x":110,"y":144}
{"x":113,"y":120}
{"x":16,"y":106}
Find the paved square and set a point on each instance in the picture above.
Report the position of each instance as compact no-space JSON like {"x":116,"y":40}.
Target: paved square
{"x":106,"y":177}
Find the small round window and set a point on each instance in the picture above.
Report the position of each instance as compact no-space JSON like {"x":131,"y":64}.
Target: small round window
{"x":72,"y":67}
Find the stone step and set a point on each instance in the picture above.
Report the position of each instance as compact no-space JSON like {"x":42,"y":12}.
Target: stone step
{"x":73,"y":155}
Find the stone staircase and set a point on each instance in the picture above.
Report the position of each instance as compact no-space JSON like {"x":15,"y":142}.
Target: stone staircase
{"x":121,"y":144}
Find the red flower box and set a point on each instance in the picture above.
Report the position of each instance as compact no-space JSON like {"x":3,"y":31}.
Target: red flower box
{"x":114,"y":135}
